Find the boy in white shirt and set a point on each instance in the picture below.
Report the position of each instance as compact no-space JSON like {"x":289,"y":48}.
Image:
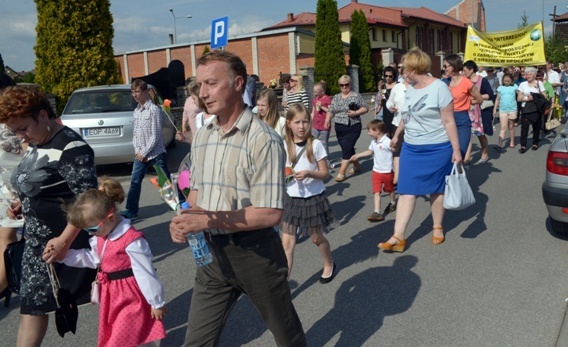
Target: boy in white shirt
{"x":383,"y":175}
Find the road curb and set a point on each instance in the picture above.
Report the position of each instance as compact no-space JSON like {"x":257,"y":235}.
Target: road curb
{"x":562,"y":339}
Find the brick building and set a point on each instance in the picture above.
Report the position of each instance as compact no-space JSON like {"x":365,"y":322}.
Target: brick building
{"x":470,"y":12}
{"x":290,"y":44}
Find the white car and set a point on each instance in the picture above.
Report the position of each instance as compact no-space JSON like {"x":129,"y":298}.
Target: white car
{"x":103,"y":115}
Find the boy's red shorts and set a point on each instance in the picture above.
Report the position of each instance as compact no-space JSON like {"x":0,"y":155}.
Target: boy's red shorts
{"x":383,"y":179}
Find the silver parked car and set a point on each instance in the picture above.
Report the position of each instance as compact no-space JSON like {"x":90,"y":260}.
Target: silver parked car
{"x":555,"y":187}
{"x":103,"y":115}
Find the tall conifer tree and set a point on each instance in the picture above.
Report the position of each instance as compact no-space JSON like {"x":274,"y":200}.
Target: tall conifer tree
{"x":329,"y":57}
{"x":74,"y":46}
{"x":360,"y":50}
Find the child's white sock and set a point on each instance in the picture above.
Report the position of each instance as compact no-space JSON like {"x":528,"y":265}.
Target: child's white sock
{"x":378,"y":210}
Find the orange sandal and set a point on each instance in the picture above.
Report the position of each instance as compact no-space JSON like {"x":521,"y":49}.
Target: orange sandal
{"x":437,"y":239}
{"x":397,"y":247}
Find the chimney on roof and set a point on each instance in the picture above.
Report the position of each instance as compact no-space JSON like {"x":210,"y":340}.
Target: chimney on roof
{"x":290,"y":17}
{"x":354,"y":1}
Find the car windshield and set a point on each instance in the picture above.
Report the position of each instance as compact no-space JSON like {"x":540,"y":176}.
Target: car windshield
{"x":100,"y":101}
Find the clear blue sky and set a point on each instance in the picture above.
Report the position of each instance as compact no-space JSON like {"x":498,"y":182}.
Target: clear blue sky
{"x":147,"y":23}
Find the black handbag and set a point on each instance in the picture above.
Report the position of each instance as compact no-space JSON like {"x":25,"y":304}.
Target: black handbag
{"x":13,"y":260}
{"x":66,"y":314}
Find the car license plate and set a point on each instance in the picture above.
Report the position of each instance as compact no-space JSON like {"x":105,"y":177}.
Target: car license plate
{"x":101,"y":132}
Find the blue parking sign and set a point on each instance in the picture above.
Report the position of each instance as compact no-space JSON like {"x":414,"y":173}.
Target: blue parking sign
{"x":219,"y":32}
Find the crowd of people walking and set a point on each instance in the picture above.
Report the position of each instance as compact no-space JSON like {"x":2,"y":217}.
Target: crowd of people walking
{"x":238,"y":157}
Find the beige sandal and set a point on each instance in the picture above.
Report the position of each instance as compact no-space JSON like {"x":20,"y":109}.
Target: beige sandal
{"x":339,"y":178}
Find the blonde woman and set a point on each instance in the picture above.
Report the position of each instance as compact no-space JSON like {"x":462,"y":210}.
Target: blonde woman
{"x":297,"y":93}
{"x":346,"y":107}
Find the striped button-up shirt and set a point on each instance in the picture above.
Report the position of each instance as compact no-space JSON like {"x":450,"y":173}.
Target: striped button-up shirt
{"x":147,"y":136}
{"x":240,"y":168}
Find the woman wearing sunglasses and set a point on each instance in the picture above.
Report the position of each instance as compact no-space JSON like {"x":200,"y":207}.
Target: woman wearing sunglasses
{"x":297,"y":93}
{"x":391,"y":78}
{"x":346,"y":107}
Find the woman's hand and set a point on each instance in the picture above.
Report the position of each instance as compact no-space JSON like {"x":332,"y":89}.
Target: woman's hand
{"x":393,"y":109}
{"x":351,"y":113}
{"x":159,"y":313}
{"x":56,"y":249}
{"x":394,"y":141}
{"x":14,"y":210}
{"x":456,"y":157}
{"x":327,"y":123}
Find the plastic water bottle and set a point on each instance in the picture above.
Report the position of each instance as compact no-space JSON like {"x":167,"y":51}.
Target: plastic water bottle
{"x":198,"y":245}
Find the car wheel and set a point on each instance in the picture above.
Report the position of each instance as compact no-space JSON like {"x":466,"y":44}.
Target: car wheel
{"x":559,"y":227}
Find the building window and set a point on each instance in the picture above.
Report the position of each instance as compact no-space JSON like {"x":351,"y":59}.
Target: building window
{"x":419,"y":37}
{"x":440,"y":40}
{"x":451,"y":43}
{"x":384,"y":35}
{"x":374,"y":34}
{"x":393,"y":36}
{"x":431,"y":39}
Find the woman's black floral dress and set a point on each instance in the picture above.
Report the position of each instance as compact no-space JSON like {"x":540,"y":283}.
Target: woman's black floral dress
{"x":49,"y":176}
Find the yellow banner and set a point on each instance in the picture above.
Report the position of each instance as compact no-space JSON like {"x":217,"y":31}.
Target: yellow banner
{"x":521,"y":47}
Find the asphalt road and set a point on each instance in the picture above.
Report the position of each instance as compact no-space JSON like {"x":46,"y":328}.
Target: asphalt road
{"x":499,"y":279}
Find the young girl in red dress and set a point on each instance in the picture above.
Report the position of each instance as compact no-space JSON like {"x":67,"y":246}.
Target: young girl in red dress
{"x":132,"y":303}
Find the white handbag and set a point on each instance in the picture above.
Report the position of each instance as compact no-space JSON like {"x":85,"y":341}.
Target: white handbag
{"x":486,"y":103}
{"x":457,"y":194}
{"x":96,"y":285}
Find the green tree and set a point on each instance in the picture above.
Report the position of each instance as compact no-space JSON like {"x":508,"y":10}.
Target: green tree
{"x":360,"y":50}
{"x":555,"y":48}
{"x":2,"y":67}
{"x":329,"y":56}
{"x":524,"y":19}
{"x":29,"y":78}
{"x":74,"y":46}
{"x":205,"y":50}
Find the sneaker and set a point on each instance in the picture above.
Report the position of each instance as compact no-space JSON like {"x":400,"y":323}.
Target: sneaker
{"x":129,"y":215}
{"x":375,"y":217}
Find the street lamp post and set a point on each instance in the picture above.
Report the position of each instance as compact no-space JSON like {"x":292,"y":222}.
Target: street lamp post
{"x":175,"y":29}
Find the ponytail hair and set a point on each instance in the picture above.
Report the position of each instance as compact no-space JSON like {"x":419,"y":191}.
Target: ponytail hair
{"x":95,"y":204}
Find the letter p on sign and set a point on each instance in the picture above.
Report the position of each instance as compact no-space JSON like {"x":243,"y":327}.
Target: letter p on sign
{"x":219,"y":32}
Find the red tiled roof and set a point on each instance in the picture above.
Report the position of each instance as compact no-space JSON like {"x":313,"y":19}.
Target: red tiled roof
{"x":374,"y":14}
{"x":393,"y":16}
{"x":561,"y":18}
{"x":301,"y":19}
{"x":428,"y":14}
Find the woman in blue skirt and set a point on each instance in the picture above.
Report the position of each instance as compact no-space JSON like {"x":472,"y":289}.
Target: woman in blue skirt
{"x":430,"y":146}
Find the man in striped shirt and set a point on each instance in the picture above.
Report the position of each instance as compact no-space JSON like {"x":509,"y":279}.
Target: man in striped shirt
{"x":237,"y":181}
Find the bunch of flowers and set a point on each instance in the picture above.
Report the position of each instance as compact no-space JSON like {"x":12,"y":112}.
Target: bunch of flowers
{"x":273,"y":83}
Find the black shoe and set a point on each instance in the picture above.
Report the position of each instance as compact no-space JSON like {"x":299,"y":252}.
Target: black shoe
{"x":534,"y":147}
{"x":7,"y":295}
{"x":390,"y":208}
{"x":522,"y":150}
{"x":499,"y":148}
{"x":324,"y":280}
